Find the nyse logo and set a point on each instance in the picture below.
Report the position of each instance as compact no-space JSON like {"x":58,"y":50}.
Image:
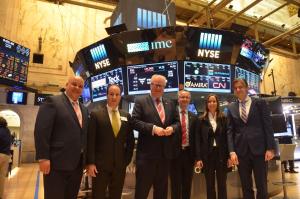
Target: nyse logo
{"x":146,"y":46}
{"x":99,"y":56}
{"x":210,"y":45}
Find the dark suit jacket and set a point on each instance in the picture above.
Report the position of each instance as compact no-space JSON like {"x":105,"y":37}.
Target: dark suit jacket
{"x":58,"y":135}
{"x":144,"y":116}
{"x":203,"y":143}
{"x":256,"y":134}
{"x":104,"y":149}
{"x":177,"y":144}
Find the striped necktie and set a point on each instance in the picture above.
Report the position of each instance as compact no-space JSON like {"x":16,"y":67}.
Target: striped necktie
{"x":244,"y":115}
{"x":183,"y":128}
{"x":160,"y":110}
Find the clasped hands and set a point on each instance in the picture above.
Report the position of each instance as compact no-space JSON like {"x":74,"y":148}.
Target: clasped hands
{"x":163,"y":132}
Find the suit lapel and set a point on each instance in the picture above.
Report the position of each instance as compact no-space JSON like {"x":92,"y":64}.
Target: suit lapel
{"x":253,"y":101}
{"x":70,"y":108}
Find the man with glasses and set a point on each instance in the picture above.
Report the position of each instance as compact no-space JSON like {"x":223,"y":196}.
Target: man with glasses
{"x":157,"y":121}
{"x":60,"y":141}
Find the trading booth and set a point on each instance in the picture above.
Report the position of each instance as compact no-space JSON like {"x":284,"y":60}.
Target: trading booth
{"x":196,"y":59}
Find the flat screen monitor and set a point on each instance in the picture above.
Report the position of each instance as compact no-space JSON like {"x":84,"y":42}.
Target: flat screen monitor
{"x":100,"y":82}
{"x":40,"y":98}
{"x":130,"y":109}
{"x":139,"y":76}
{"x":252,"y":79}
{"x":247,"y":48}
{"x":16,"y":97}
{"x":274,"y":104}
{"x":192,"y":108}
{"x":14,"y":60}
{"x":86,"y":92}
{"x":207,"y":77}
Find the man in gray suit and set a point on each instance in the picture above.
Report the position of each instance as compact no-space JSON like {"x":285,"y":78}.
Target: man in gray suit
{"x":250,"y":139}
{"x":157,"y":121}
{"x":60,"y":141}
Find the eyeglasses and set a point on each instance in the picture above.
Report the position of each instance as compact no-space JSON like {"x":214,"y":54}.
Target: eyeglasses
{"x":157,"y":85}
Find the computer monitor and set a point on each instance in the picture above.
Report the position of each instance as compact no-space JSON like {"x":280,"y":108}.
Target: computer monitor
{"x":16,"y":97}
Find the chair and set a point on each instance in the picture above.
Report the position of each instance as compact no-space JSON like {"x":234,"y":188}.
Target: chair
{"x":286,"y":153}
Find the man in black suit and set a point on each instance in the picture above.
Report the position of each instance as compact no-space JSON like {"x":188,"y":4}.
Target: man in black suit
{"x":60,"y":141}
{"x":157,"y":121}
{"x":250,"y":139}
{"x":182,"y":164}
{"x":110,"y":146}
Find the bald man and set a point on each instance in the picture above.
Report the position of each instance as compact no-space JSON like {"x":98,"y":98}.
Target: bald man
{"x":157,"y":121}
{"x":60,"y":141}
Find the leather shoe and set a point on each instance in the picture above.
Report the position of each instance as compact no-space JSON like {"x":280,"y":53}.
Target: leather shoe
{"x":286,"y":170}
{"x":293,"y":171}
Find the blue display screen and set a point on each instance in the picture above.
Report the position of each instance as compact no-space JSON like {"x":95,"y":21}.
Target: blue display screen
{"x":251,"y":78}
{"x":100,"y":82}
{"x":207,"y":77}
{"x":14,"y":97}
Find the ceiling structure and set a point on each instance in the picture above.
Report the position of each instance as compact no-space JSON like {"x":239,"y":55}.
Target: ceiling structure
{"x":275,"y":23}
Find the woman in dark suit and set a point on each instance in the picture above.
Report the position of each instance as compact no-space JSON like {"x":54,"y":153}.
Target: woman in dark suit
{"x":211,"y":147}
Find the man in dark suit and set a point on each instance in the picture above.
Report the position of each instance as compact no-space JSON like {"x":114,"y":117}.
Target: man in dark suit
{"x":157,"y":121}
{"x":182,"y":163}
{"x":250,"y":139}
{"x":110,"y":146}
{"x":60,"y":141}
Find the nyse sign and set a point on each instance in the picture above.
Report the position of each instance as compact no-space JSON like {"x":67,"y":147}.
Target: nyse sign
{"x":102,"y":64}
{"x":209,"y":53}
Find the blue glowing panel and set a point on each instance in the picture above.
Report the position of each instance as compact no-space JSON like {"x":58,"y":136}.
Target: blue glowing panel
{"x":154,"y":19}
{"x":252,"y":78}
{"x":207,"y":77}
{"x":138,"y":47}
{"x":144,"y":18}
{"x":158,"y":20}
{"x":210,"y":41}
{"x":149,"y":17}
{"x":139,"y":17}
{"x":98,"y":53}
{"x":100,"y":82}
{"x":164,"y":20}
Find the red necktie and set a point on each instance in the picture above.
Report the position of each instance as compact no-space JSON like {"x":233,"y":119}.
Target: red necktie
{"x":183,"y":128}
{"x":78,"y":112}
{"x":160,"y":110}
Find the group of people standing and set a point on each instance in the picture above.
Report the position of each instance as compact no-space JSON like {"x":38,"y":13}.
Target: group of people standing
{"x":172,"y":142}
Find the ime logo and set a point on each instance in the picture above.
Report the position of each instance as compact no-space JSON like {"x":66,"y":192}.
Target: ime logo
{"x":209,"y":45}
{"x":99,"y":56}
{"x":146,"y":46}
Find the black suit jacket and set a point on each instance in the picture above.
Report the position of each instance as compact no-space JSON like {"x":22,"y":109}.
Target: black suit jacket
{"x":177,"y":143}
{"x":58,"y":135}
{"x":204,"y":145}
{"x":104,"y":149}
{"x":256,"y":134}
{"x":145,"y":116}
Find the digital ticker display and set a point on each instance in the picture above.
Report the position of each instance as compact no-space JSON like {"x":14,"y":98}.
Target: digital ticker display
{"x":100,"y":82}
{"x":251,"y":78}
{"x":139,"y":76}
{"x":14,"y":60}
{"x":207,"y":77}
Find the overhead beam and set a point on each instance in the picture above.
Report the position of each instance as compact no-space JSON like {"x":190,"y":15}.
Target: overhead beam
{"x":213,"y":11}
{"x":196,"y":15}
{"x":238,"y":14}
{"x":270,"y":13}
{"x":278,"y":38}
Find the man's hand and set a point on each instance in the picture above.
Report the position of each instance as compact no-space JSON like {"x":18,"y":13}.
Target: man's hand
{"x":91,"y":170}
{"x":45,"y":166}
{"x":159,"y":131}
{"x":234,"y":158}
{"x":168,"y":131}
{"x":269,"y":155}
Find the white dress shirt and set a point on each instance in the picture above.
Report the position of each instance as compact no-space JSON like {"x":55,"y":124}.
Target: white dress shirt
{"x":213,"y":121}
{"x":247,"y":104}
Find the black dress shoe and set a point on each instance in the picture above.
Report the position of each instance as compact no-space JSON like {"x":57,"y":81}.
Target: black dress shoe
{"x":293,"y":171}
{"x":286,"y":170}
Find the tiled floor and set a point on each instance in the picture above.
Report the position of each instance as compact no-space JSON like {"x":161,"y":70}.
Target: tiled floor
{"x":23,"y":184}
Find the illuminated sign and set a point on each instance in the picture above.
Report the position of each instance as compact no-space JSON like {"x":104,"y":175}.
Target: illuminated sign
{"x":146,"y":46}
{"x":99,"y":56}
{"x":209,"y":45}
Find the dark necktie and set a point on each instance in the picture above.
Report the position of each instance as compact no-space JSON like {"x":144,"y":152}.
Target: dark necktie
{"x":160,"y":110}
{"x":183,"y":128}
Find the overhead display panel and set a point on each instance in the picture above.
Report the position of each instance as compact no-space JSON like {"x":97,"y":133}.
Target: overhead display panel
{"x":207,"y":77}
{"x":100,"y":82}
{"x":251,"y":78}
{"x":14,"y":60}
{"x":139,"y":77}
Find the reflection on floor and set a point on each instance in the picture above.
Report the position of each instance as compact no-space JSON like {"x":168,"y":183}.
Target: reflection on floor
{"x":25,"y":182}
